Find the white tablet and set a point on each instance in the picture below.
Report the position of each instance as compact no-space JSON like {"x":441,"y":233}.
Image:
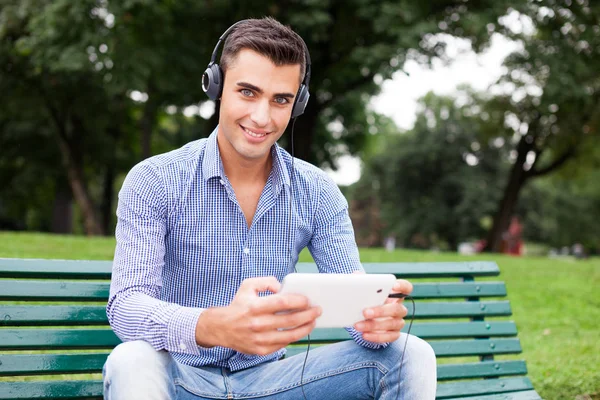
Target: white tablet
{"x":343,"y":297}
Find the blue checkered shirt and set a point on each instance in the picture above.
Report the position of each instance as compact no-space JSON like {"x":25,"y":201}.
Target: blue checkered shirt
{"x":183,"y":245}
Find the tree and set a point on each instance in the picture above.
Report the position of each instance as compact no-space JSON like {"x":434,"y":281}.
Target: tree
{"x":554,"y":100}
{"x":437,"y":182}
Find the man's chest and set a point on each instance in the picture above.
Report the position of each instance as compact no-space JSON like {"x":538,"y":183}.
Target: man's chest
{"x":210,"y":235}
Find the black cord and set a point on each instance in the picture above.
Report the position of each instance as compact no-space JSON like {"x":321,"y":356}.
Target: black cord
{"x":412,"y":318}
{"x":292,"y":240}
{"x":303,"y":366}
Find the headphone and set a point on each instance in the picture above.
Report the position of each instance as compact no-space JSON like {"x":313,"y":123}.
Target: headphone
{"x":212,"y":78}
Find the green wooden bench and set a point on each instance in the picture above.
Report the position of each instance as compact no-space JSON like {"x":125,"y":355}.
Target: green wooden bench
{"x":54,"y":334}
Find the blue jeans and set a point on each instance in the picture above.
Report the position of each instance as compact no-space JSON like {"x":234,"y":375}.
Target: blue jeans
{"x":134,"y":370}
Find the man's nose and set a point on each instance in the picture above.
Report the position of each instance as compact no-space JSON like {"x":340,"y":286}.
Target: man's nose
{"x":261,"y":114}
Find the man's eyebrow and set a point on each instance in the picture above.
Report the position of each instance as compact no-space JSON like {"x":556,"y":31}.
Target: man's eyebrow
{"x":259,"y":90}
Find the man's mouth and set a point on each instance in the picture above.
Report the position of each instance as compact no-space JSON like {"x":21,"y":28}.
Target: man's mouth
{"x":255,"y":134}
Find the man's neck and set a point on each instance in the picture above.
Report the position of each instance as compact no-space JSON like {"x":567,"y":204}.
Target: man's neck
{"x":241,"y":170}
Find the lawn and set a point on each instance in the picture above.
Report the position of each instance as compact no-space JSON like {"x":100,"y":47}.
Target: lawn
{"x":555,"y":302}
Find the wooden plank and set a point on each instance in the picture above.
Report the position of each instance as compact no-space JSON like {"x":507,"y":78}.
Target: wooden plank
{"x":88,"y":269}
{"x":22,"y":290}
{"x":468,"y":309}
{"x":458,"y":290}
{"x":433,"y":330}
{"x":43,"y":364}
{"x":52,"y":315}
{"x":450,"y":348}
{"x":21,"y":339}
{"x":46,"y":339}
{"x":484,"y":369}
{"x":63,"y":269}
{"x":423,"y":269}
{"x":435,"y":269}
{"x":51,"y":390}
{"x":482,"y":387}
{"x":98,"y":291}
{"x":96,"y":315}
{"x":524,"y":395}
{"x":476,"y":347}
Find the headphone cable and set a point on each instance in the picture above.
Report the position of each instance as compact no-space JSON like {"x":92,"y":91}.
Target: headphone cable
{"x":291,"y":241}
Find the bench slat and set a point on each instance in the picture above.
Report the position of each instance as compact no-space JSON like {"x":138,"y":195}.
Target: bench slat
{"x":433,"y":330}
{"x":482,"y":387}
{"x":22,"y":290}
{"x":23,"y":339}
{"x":525,"y":395}
{"x":93,"y":389}
{"x":96,"y":315}
{"x":458,"y":290}
{"x":435,"y":269}
{"x":51,"y":390}
{"x":53,"y":290}
{"x":52,"y":315}
{"x":476,"y":347}
{"x":452,"y":348}
{"x":90,"y":269}
{"x":482,"y":369}
{"x":47,"y":339}
{"x":50,"y":364}
{"x":63,"y":269}
{"x":44,"y":364}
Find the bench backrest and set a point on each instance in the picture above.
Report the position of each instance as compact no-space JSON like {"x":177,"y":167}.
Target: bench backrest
{"x":53,"y":322}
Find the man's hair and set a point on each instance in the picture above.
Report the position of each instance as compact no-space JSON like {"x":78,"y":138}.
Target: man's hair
{"x":267,"y":37}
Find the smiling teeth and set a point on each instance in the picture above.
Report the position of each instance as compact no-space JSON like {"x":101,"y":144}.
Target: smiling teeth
{"x":256,"y":135}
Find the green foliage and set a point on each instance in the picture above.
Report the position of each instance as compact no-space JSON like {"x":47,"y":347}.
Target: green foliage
{"x":437,"y":182}
{"x":562,"y":212}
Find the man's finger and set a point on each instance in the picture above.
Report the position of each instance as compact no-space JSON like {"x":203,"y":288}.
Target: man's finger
{"x":281,"y":338}
{"x":394,"y":310}
{"x":261,"y":284}
{"x":381,"y":337}
{"x":279,"y":303}
{"x":380,"y":324}
{"x":402,"y":286}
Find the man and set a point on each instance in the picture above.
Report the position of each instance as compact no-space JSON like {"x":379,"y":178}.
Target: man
{"x":206,"y":233}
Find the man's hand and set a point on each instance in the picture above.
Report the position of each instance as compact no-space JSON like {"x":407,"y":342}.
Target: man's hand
{"x":252,"y":324}
{"x":383,"y":324}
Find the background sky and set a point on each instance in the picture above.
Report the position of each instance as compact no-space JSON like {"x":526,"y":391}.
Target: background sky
{"x":399,"y":95}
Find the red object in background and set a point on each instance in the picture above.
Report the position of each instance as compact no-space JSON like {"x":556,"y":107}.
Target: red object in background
{"x":512,"y":242}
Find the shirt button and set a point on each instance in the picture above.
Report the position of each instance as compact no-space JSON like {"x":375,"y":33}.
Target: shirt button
{"x":246,"y":251}
{"x":222,"y":182}
{"x":182,"y":346}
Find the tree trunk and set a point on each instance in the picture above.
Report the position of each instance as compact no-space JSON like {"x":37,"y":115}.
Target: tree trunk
{"x":107,"y":199}
{"x":62,"y":211}
{"x":79,"y":190}
{"x":517,"y":178}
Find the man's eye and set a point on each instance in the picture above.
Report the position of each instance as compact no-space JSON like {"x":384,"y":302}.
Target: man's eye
{"x":281,"y":100}
{"x":246,"y":92}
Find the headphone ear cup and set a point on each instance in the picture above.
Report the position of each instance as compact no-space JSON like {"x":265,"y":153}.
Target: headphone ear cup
{"x":212,"y":81}
{"x":301,"y":101}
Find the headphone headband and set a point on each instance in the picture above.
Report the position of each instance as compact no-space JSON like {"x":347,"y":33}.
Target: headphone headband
{"x":212,"y":79}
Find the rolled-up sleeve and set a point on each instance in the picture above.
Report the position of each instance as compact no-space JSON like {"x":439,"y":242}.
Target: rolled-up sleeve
{"x":134,"y":309}
{"x":333,"y":244}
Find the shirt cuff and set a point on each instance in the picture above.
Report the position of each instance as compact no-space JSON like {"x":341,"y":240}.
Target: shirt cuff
{"x":181,"y":331}
{"x":357,"y":337}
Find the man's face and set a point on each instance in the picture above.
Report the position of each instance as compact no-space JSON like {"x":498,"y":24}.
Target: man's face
{"x":256,"y":105}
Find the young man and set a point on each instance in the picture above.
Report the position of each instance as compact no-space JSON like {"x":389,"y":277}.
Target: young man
{"x":206,"y":230}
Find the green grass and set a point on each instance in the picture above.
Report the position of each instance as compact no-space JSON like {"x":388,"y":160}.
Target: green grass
{"x":555,"y":302}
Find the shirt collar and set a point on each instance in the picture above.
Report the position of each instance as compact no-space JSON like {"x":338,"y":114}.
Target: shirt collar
{"x":212,"y":165}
